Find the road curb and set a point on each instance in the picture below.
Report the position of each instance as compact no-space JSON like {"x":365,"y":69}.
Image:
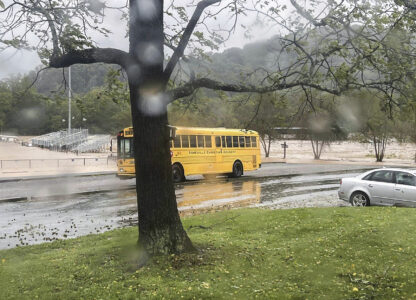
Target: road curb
{"x":41,"y":177}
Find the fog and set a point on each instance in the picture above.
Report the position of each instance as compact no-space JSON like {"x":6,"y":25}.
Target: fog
{"x":250,"y":28}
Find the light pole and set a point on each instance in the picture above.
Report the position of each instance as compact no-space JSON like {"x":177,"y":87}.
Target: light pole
{"x":69,"y":102}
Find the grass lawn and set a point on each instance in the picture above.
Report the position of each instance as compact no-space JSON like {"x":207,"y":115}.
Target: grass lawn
{"x":330,"y":253}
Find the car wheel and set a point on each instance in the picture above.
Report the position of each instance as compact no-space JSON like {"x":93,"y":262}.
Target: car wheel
{"x":177,"y":173}
{"x":359,"y":199}
{"x":237,"y":169}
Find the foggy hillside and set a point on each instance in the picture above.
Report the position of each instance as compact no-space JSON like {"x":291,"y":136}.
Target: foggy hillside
{"x":230,"y":64}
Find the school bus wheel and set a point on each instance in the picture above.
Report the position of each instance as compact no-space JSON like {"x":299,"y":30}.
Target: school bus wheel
{"x":177,"y":173}
{"x":237,"y":169}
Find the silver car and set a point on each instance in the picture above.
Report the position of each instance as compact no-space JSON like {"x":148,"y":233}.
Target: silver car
{"x":380,"y":187}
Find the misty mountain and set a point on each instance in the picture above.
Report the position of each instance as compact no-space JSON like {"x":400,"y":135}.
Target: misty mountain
{"x":83,"y":78}
{"x":227,"y":66}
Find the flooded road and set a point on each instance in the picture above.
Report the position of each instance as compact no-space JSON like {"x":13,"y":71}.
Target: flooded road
{"x":46,"y":218}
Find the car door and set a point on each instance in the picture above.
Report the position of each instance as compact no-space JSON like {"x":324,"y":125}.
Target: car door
{"x":405,"y":189}
{"x":380,"y":185}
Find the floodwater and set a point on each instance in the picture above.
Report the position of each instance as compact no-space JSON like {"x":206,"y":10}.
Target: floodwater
{"x":43,"y":219}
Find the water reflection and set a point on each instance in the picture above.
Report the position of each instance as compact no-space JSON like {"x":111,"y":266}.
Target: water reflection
{"x":217,"y":195}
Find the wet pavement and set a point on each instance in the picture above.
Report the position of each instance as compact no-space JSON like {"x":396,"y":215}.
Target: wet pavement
{"x":43,"y":217}
{"x":63,"y":185}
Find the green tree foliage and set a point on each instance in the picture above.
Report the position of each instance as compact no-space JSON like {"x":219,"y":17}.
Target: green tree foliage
{"x":101,"y":114}
{"x":22,"y":111}
{"x":25,"y":111}
{"x":5,"y":104}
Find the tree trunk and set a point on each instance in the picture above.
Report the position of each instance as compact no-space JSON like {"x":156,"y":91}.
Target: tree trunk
{"x":268,"y":147}
{"x":264,"y":144}
{"x":160,"y":227}
{"x":379,"y":148}
{"x":315,"y":148}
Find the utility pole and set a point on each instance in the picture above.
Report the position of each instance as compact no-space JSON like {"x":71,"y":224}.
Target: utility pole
{"x":69,"y":102}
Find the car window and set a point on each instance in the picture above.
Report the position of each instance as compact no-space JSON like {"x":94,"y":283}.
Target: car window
{"x":405,"y":178}
{"x":381,"y":176}
{"x":368,"y":176}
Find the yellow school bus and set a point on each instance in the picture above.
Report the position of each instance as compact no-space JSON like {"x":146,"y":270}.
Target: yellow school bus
{"x":196,"y":150}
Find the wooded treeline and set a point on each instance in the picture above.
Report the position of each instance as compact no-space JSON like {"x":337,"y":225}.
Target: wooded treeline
{"x":101,"y":103}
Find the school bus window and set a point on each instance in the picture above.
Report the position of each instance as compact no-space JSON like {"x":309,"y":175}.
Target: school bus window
{"x":208,"y":141}
{"x":224,"y":145}
{"x":235,"y":141}
{"x":218,"y":142}
{"x":177,"y":141}
{"x":248,"y":144}
{"x":185,"y":141}
{"x":200,"y":141}
{"x":192,"y":139}
{"x":253,"y":141}
{"x":241,"y":139}
{"x":229,"y":141}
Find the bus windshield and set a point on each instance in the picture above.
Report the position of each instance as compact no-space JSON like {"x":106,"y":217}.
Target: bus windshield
{"x":125,"y":147}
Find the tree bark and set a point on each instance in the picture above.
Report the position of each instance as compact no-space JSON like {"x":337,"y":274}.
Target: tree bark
{"x":160,"y":227}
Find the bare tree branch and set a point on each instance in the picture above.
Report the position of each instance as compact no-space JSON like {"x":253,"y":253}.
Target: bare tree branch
{"x":178,"y":52}
{"x":93,"y":55}
{"x":189,"y":87}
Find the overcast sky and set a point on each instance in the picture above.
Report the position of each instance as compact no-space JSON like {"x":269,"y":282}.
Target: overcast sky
{"x":15,"y":62}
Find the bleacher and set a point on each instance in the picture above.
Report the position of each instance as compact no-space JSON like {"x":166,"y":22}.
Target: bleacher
{"x":61,"y":140}
{"x":95,"y":143}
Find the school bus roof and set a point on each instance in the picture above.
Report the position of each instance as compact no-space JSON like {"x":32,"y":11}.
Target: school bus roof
{"x":218,"y":131}
{"x":205,"y":130}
